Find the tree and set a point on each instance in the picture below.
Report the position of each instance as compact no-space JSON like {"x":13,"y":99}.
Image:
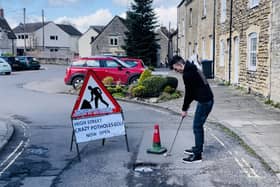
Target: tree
{"x":141,"y":39}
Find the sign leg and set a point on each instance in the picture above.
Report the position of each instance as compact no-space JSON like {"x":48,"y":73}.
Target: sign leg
{"x":103,"y":141}
{"x":127,"y":147}
{"x":72,"y":139}
{"x":78,"y":152}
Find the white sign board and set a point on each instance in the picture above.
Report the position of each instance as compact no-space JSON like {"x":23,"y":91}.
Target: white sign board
{"x":99,"y":127}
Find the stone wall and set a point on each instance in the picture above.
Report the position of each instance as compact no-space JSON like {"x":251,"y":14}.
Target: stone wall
{"x":245,"y":19}
{"x":275,"y":52}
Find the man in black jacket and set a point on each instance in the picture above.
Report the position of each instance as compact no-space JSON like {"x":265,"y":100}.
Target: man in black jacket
{"x":198,"y":89}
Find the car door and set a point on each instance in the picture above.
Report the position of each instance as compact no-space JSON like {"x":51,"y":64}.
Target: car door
{"x":115,"y":70}
{"x":96,"y":67}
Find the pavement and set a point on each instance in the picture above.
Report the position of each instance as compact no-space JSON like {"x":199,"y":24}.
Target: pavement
{"x":257,"y":124}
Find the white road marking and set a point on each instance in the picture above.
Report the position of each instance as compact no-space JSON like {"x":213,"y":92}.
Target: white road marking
{"x":247,"y":169}
{"x":21,"y":144}
{"x":10,"y":155}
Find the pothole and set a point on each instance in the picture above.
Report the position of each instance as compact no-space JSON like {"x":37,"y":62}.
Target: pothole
{"x":145,"y":167}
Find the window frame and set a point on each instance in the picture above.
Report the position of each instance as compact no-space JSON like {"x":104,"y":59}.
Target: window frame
{"x":204,"y":9}
{"x":115,"y":40}
{"x":252,"y":53}
{"x":222,"y":51}
{"x":223,"y":10}
{"x":254,"y":3}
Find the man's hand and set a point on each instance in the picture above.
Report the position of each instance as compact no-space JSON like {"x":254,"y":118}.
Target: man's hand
{"x":184,"y":114}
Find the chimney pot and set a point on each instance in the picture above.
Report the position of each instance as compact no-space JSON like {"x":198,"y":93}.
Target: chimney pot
{"x":1,"y":13}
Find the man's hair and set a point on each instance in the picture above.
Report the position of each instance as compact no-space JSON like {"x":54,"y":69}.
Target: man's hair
{"x":175,"y":59}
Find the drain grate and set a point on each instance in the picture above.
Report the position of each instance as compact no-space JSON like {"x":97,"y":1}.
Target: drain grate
{"x":145,"y":167}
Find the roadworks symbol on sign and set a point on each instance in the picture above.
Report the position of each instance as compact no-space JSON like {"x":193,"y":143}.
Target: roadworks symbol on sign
{"x":96,"y":114}
{"x":94,"y":99}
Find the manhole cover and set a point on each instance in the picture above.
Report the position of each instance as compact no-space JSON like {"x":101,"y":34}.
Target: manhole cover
{"x":145,"y":167}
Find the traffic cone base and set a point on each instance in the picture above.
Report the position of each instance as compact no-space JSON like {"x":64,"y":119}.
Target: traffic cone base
{"x":156,"y":149}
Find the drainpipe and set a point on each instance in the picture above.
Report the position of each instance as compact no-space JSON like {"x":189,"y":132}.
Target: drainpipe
{"x":214,"y":39}
{"x":230,"y":42}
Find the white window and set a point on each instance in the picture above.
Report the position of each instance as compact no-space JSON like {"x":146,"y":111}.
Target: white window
{"x":183,"y":26}
{"x":190,"y":49}
{"x":204,"y":9}
{"x":203,"y":48}
{"x":252,"y":51}
{"x":223,"y":10}
{"x":114,"y":41}
{"x":222,"y":53}
{"x":254,"y":3}
{"x":52,"y":37}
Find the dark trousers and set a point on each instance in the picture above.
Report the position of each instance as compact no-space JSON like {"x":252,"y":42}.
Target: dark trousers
{"x":201,"y":114}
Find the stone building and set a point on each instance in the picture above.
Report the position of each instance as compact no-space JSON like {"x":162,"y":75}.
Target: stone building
{"x":111,"y":39}
{"x":249,"y":42}
{"x":163,"y":36}
{"x":7,"y":36}
{"x":275,"y":52}
{"x":195,"y":28}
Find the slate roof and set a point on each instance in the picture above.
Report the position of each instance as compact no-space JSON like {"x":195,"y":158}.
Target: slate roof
{"x":29,"y":27}
{"x":5,"y":26}
{"x":97,"y":28}
{"x":70,"y":29}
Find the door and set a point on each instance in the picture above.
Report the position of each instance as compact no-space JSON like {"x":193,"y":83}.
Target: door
{"x":236,"y":60}
{"x":114,"y":69}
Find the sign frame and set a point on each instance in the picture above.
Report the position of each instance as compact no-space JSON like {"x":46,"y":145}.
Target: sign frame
{"x":115,"y":110}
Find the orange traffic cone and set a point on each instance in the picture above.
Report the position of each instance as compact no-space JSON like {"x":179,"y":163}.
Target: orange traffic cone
{"x":156,"y":149}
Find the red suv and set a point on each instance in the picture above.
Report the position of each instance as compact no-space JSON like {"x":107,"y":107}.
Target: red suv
{"x":103,"y":67}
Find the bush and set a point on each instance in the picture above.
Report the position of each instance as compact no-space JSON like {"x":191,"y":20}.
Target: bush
{"x":138,"y":91}
{"x":147,"y":73}
{"x":118,"y":95}
{"x":108,"y":81}
{"x":168,"y":89}
{"x":153,"y":86}
{"x":172,"y":82}
{"x":166,"y":96}
{"x":112,"y":90}
{"x":151,"y":68}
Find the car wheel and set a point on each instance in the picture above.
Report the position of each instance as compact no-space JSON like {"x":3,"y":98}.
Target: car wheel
{"x":77,"y":82}
{"x":133,"y":80}
{"x":8,"y":73}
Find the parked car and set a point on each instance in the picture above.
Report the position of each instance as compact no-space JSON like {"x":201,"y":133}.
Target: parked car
{"x":133,"y":62}
{"x":103,"y":66}
{"x":5,"y":67}
{"x":14,"y":63}
{"x":28,"y":62}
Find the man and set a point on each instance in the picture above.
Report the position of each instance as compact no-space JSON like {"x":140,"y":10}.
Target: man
{"x":97,"y":95}
{"x":198,"y":89}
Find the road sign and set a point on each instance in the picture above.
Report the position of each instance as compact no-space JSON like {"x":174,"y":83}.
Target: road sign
{"x":94,"y":99}
{"x":96,"y":114}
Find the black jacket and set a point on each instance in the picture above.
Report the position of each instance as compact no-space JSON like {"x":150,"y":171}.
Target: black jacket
{"x":196,"y":86}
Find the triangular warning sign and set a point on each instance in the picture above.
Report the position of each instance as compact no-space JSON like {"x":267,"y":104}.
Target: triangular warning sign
{"x":94,"y":99}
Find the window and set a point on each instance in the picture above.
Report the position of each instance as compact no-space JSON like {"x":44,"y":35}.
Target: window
{"x":114,"y":41}
{"x":203,"y":48}
{"x":53,"y":50}
{"x":253,"y":3}
{"x":204,"y":9}
{"x":222,"y":53}
{"x":223,"y":11}
{"x":111,"y":64}
{"x":52,"y":37}
{"x":93,"y":63}
{"x":190,"y":19}
{"x":190,"y":49}
{"x":252,"y":51}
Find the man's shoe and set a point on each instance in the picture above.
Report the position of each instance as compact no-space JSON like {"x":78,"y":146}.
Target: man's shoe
{"x":188,"y":151}
{"x":192,"y":159}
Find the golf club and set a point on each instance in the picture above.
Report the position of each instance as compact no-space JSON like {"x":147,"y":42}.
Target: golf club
{"x":171,"y":147}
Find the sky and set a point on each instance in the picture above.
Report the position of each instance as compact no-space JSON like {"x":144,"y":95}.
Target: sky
{"x":82,"y":13}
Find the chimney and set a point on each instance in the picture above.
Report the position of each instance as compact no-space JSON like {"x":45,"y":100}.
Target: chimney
{"x":1,"y":13}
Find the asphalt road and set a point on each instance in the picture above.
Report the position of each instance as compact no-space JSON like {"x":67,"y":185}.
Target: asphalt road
{"x":42,"y":139}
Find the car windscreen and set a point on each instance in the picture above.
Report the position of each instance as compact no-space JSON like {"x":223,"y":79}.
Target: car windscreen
{"x":78,"y":63}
